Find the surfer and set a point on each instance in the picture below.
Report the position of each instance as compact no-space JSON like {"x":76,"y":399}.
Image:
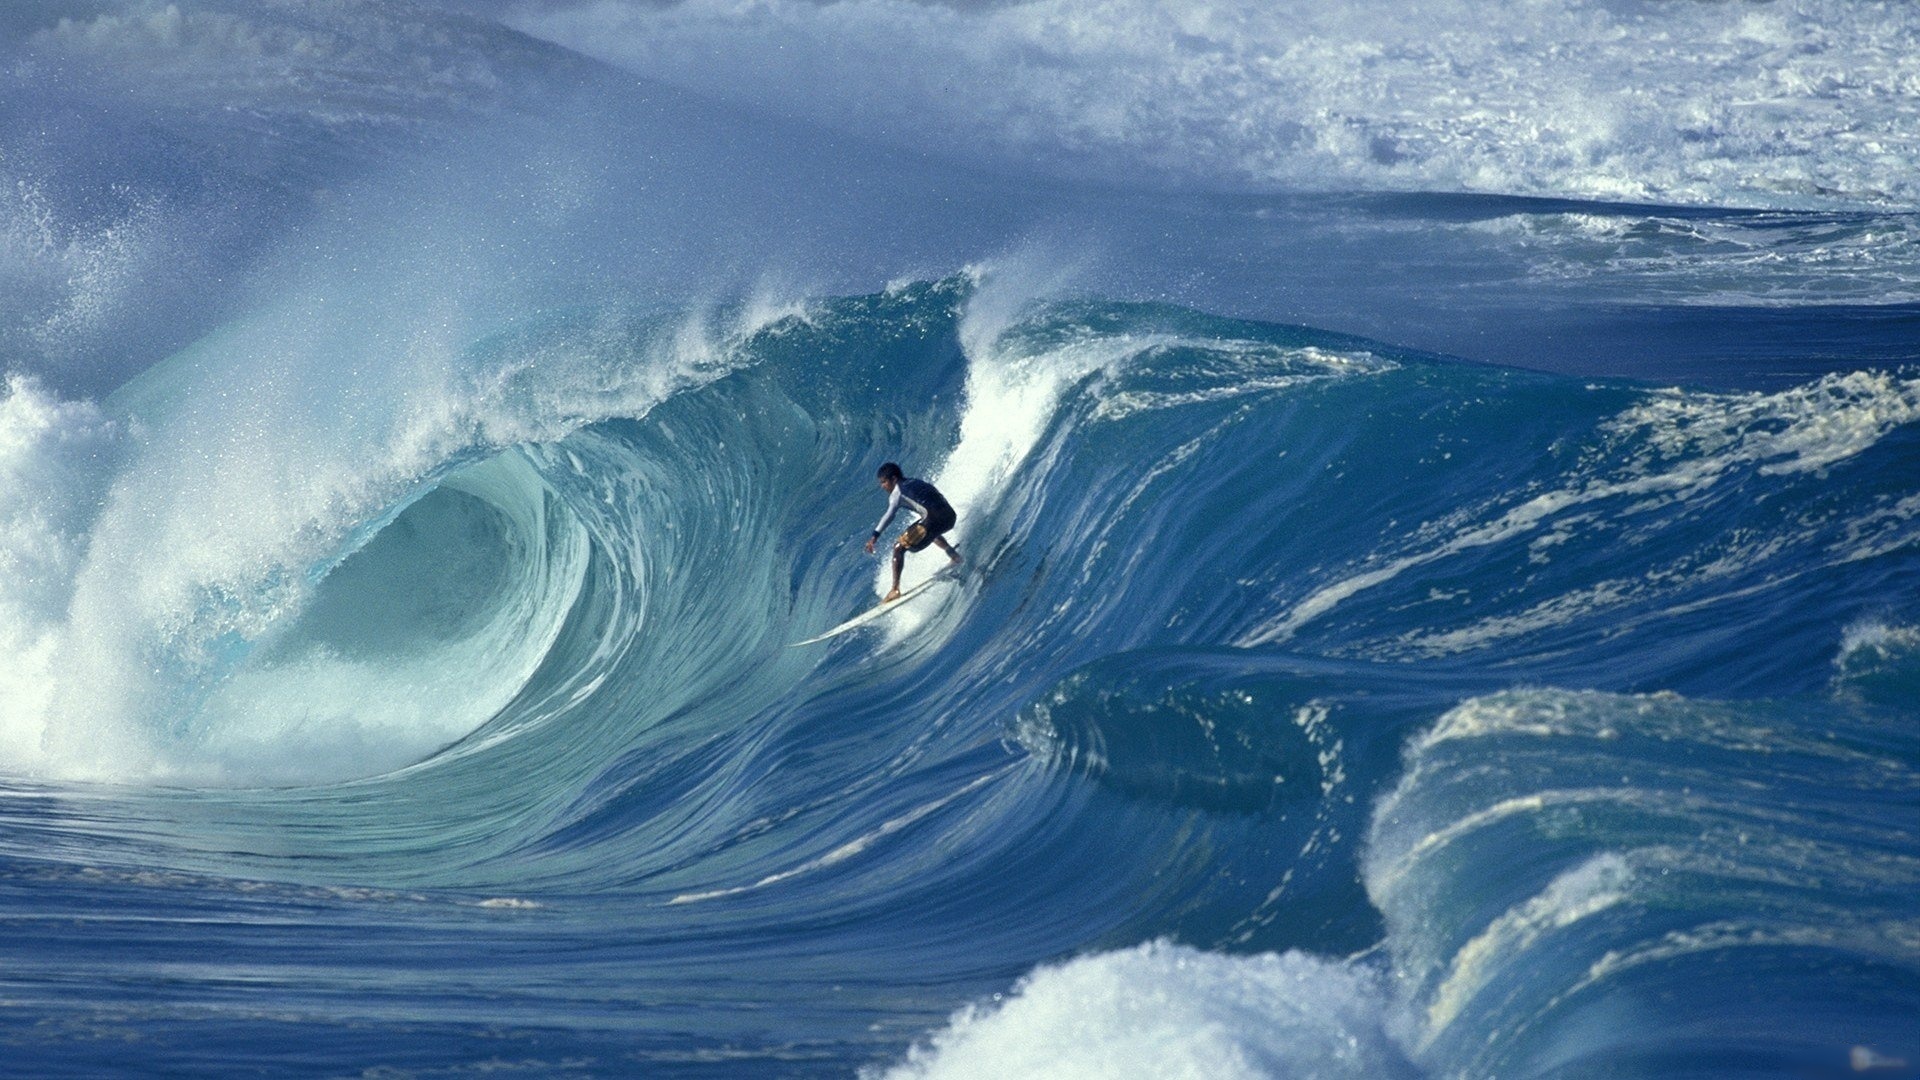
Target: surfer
{"x":936,"y":517}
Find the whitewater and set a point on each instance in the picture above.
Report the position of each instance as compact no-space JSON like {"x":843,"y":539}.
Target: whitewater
{"x":1440,"y":486}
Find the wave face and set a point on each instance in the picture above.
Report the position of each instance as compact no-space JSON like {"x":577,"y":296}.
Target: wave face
{"x":1228,"y":666}
{"x":396,"y":598}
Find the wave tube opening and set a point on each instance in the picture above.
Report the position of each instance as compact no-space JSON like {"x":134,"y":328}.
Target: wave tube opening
{"x":412,"y":641}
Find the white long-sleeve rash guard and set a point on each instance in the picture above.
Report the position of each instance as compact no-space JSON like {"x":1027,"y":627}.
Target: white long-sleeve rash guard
{"x":895,"y":501}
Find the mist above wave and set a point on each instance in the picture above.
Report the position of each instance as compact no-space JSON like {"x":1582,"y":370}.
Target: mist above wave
{"x":1716,"y":104}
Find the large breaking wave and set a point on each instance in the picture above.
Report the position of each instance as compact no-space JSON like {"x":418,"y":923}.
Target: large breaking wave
{"x":1169,"y":691}
{"x":420,"y":444}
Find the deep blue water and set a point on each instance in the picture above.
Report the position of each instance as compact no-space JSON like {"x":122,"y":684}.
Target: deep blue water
{"x":1443,"y":610}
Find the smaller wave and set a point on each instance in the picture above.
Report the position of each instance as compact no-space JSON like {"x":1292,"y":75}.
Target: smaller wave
{"x":1554,"y":863}
{"x":1141,"y":726}
{"x":1163,"y":1010}
{"x":1879,"y":662}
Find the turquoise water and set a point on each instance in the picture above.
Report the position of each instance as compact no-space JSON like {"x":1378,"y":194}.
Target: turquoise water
{"x":1403,"y":632}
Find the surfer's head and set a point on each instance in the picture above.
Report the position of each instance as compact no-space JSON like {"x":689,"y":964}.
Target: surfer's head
{"x":889,"y":475}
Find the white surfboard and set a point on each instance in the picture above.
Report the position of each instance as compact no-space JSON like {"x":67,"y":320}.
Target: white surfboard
{"x":946,"y":573}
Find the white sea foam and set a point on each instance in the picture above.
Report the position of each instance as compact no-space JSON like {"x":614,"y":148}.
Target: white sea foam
{"x":1162,"y":1011}
{"x":1803,"y":429}
{"x":1878,"y":659}
{"x":1720,"y":104}
{"x":1878,"y":640}
{"x":54,"y":456}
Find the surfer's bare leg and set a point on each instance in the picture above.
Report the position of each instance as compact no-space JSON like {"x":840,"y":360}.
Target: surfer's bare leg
{"x":948,"y":548}
{"x":899,"y":560}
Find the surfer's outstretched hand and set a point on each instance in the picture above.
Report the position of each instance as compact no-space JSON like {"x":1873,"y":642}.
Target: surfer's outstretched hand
{"x":870,"y":545}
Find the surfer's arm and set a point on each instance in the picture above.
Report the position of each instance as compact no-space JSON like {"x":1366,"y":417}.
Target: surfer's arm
{"x":893,"y":507}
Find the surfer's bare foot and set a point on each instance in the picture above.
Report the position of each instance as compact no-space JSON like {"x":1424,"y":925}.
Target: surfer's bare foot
{"x":890,"y":597}
{"x":955,"y":556}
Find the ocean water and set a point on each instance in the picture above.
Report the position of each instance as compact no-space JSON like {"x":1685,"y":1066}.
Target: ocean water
{"x":1440,"y":488}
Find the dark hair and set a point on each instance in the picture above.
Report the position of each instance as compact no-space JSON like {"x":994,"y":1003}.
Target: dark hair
{"x":889,"y":471}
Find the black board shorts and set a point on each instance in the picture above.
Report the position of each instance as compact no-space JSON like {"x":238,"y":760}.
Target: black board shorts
{"x":921,"y":533}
